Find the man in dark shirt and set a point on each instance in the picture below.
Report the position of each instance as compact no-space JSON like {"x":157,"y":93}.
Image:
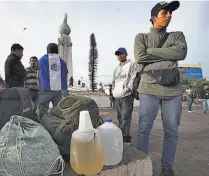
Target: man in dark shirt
{"x":71,"y":81}
{"x":15,"y":72}
{"x":31,"y":80}
{"x":153,"y":91}
{"x":204,"y":97}
{"x":111,"y":98}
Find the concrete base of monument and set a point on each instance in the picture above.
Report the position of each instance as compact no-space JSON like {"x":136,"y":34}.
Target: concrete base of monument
{"x":134,"y":163}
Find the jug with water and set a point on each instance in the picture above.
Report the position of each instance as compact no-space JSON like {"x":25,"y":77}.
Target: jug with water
{"x":112,"y":143}
{"x":86,"y":155}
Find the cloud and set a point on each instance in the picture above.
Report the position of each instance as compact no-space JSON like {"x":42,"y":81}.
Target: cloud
{"x":112,"y":23}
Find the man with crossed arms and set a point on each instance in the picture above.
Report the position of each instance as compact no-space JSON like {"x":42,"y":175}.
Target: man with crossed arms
{"x":152,"y":93}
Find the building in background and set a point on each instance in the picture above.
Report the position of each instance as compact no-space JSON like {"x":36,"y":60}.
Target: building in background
{"x":191,"y":71}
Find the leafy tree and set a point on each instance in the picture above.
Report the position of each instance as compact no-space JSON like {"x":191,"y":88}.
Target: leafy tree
{"x":196,"y":85}
{"x":93,"y":62}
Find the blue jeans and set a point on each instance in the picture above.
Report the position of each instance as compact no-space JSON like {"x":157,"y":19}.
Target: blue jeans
{"x":45,"y":96}
{"x":171,"y":109}
{"x":204,"y":104}
{"x":189,"y":102}
{"x":124,"y":108}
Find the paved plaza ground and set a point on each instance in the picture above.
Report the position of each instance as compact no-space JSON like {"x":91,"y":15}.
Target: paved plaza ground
{"x":192,"y":158}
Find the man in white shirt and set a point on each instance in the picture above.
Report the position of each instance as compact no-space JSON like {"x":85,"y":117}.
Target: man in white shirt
{"x":123,"y":78}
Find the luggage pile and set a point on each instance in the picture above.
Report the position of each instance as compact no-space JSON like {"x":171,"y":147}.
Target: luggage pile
{"x":28,"y":147}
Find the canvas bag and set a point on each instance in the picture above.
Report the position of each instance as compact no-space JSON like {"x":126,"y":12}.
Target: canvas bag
{"x":27,"y":149}
{"x":15,"y":101}
{"x":63,"y":120}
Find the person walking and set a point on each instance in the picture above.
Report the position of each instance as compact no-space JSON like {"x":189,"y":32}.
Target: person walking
{"x":204,"y":97}
{"x":159,"y":52}
{"x":190,"y":98}
{"x":111,"y":98}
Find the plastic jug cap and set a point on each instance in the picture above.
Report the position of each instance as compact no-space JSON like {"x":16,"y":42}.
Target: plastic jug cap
{"x":85,"y":123}
{"x":108,"y":120}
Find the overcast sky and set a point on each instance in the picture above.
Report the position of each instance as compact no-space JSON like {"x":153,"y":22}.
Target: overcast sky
{"x":115,"y":24}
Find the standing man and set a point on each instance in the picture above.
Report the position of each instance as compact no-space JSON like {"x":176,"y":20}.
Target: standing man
{"x":14,"y":70}
{"x":160,"y":81}
{"x":204,"y":97}
{"x":52,"y":76}
{"x":31,"y":80}
{"x":190,"y":98}
{"x":111,"y":98}
{"x":71,"y":81}
{"x":122,"y":85}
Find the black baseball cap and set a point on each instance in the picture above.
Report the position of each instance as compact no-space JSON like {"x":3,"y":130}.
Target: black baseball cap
{"x":164,"y":5}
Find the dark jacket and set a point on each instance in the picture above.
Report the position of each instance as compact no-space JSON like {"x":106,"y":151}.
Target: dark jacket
{"x":204,"y":94}
{"x":15,"y":72}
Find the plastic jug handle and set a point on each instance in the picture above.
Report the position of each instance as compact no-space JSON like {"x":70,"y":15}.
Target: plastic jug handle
{"x":97,"y":137}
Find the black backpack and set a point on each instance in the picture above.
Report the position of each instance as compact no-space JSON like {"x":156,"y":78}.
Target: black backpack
{"x":136,"y":82}
{"x":15,"y":101}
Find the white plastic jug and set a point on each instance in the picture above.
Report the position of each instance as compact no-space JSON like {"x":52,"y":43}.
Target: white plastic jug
{"x":112,"y":142}
{"x":86,"y":156}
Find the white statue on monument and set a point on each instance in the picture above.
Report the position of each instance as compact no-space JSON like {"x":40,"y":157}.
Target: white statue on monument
{"x":65,"y":46}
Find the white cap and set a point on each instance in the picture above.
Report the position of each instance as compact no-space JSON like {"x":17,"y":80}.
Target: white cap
{"x":85,"y":123}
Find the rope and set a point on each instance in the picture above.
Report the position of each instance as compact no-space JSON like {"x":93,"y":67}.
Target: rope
{"x":52,"y":166}
{"x":18,"y":139}
{"x":4,"y":148}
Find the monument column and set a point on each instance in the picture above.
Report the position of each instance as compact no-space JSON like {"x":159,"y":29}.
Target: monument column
{"x":65,"y":46}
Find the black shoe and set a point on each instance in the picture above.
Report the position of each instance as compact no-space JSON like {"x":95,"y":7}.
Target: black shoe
{"x":127,"y":139}
{"x":167,"y":172}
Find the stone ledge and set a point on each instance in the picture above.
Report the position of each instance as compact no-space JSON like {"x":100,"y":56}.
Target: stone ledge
{"x":134,"y":163}
{"x":86,"y":93}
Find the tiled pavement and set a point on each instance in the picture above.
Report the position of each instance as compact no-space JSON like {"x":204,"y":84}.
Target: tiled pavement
{"x":192,"y":158}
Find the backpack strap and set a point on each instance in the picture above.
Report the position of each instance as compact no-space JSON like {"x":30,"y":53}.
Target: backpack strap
{"x":100,"y":121}
{"x":163,"y":40}
{"x":21,"y":101}
{"x":138,"y":74}
{"x":59,"y":128}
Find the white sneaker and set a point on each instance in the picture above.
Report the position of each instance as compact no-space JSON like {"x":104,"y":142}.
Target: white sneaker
{"x":189,"y":111}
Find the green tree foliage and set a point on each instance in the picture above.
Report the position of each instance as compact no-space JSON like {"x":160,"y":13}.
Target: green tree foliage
{"x":196,"y":85}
